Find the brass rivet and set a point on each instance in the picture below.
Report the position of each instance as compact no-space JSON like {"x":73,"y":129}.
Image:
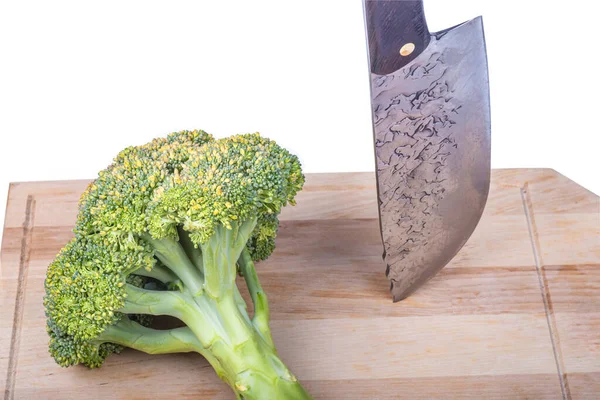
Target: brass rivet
{"x":407,"y":49}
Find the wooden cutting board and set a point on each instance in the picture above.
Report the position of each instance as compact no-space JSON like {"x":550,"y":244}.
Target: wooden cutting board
{"x":515,"y":315}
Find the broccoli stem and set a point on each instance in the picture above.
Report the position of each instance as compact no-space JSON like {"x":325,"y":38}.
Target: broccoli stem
{"x":193,"y":252}
{"x":129,"y":333}
{"x":153,"y":302}
{"x":211,"y":306}
{"x":248,"y":363}
{"x":152,"y":341}
{"x":259,"y":298}
{"x":171,"y":253}
{"x":241,"y":303}
{"x":220,"y":254}
{"x":158,"y":272}
{"x":183,"y":306}
{"x":251,"y":363}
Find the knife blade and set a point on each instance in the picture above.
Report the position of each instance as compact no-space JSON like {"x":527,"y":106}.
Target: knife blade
{"x":432,"y":141}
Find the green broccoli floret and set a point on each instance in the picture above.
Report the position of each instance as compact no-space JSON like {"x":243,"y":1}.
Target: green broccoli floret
{"x":165,"y":230}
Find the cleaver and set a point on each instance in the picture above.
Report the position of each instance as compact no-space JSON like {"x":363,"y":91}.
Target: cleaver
{"x":431,"y":129}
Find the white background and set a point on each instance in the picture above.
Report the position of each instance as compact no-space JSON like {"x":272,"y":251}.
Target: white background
{"x":80,"y":80}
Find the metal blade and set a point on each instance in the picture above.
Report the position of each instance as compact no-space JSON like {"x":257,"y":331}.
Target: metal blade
{"x":432,"y":144}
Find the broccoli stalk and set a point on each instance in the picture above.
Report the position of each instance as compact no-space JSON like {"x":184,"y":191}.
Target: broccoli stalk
{"x":208,"y":305}
{"x":166,"y":230}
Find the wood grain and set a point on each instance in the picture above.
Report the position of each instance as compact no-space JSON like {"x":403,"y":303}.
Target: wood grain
{"x":479,"y":329}
{"x":567,"y":228}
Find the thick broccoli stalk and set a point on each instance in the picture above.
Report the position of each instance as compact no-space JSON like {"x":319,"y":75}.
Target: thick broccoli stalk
{"x":165,"y":230}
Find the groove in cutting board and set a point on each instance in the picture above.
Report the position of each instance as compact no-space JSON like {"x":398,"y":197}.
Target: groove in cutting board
{"x":20,"y":298}
{"x":554,"y":338}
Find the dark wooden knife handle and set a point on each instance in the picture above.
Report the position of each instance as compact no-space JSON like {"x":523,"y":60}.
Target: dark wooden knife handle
{"x":393,"y":27}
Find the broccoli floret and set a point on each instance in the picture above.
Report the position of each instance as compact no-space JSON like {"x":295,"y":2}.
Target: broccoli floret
{"x":165,"y":230}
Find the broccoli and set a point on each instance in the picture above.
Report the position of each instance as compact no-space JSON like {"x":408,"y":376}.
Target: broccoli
{"x":164,"y":231}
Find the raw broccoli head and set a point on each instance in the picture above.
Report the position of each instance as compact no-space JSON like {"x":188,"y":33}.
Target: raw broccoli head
{"x":116,"y":202}
{"x":163,"y":231}
{"x":228,"y":181}
{"x":85,"y":284}
{"x":85,"y":288}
